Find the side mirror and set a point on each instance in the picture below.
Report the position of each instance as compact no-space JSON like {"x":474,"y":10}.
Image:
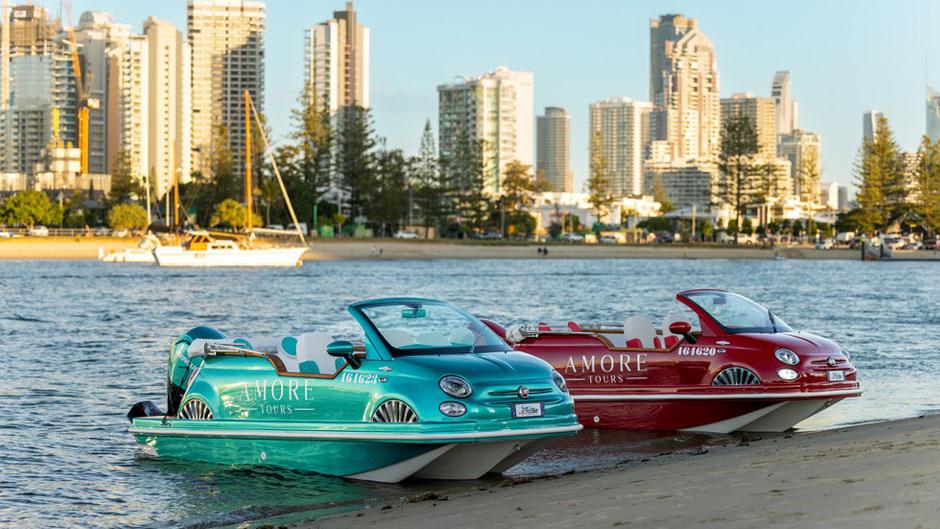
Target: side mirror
{"x":684,"y":329}
{"x":345,"y":350}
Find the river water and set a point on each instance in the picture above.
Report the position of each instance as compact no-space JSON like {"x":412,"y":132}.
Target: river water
{"x":82,"y":341}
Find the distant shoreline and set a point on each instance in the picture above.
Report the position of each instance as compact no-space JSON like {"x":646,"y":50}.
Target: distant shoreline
{"x":86,"y":248}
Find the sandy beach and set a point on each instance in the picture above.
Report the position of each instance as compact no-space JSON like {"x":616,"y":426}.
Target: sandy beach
{"x":87,"y":248}
{"x":877,"y":476}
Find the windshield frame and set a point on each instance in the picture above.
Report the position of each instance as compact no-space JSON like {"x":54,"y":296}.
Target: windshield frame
{"x":776,"y":325}
{"x":358,"y":311}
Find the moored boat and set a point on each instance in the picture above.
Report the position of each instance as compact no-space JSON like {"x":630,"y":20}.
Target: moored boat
{"x":720,"y":363}
{"x":142,"y":253}
{"x":430,"y":392}
{"x":202,"y":250}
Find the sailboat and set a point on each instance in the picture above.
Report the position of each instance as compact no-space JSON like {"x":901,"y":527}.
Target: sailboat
{"x":204,"y":249}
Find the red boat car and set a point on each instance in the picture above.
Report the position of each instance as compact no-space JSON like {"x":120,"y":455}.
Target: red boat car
{"x":723,"y":363}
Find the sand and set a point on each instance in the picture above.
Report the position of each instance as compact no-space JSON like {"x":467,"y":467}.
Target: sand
{"x":872,"y":476}
{"x":86,"y":248}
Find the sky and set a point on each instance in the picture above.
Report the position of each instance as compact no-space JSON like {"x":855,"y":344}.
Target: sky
{"x":844,"y":57}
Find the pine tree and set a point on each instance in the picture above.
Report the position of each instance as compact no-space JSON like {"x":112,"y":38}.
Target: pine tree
{"x":880,"y":176}
{"x":598,"y":184}
{"x":466,"y":174}
{"x":427,"y":182}
{"x":740,"y":183}
{"x":927,"y":184}
{"x":356,"y":159}
{"x":388,"y":206}
{"x":124,"y":183}
{"x":311,"y":161}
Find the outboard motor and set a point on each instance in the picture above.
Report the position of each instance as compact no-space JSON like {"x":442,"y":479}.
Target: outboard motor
{"x":180,"y":365}
{"x":143,"y":409}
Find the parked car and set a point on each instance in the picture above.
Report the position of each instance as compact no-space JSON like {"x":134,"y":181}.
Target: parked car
{"x":608,"y":239}
{"x":275,"y":226}
{"x":913,"y":245}
{"x":665,"y":238}
{"x":572,"y":237}
{"x":488,"y":236}
{"x":824,"y":244}
{"x":102,"y":232}
{"x":405,"y":234}
{"x":303,"y":227}
{"x":930,"y":244}
{"x":38,"y":231}
{"x":6,"y":234}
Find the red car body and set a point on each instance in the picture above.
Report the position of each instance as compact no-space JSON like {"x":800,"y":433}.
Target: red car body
{"x":671,"y":383}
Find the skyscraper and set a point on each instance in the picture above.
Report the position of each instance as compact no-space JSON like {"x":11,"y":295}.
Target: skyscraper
{"x":95,"y":34}
{"x":761,"y":111}
{"x":933,"y":114}
{"x":786,"y":118}
{"x":870,"y":124}
{"x":337,"y":61}
{"x":168,"y":104}
{"x":495,"y":109}
{"x":552,"y":159}
{"x":226,"y":39}
{"x":802,"y":149}
{"x":621,"y":127}
{"x":684,"y":88}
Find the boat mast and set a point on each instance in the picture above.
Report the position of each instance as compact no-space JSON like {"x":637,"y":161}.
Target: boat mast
{"x":277,"y":172}
{"x":176,"y":191}
{"x":248,"y":159}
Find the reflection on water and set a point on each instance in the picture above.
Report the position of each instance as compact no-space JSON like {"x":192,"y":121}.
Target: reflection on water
{"x":83,"y":341}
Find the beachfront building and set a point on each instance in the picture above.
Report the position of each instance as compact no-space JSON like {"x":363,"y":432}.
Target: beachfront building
{"x":802,"y":149}
{"x":686,"y":184}
{"x":619,"y":129}
{"x":786,"y":111}
{"x":933,"y":114}
{"x":829,"y":195}
{"x":168,"y":105}
{"x":336,"y":69}
{"x":761,"y":112}
{"x":870,"y":121}
{"x":226,"y":40}
{"x":551,"y":207}
{"x":552,"y":160}
{"x":495,"y":109}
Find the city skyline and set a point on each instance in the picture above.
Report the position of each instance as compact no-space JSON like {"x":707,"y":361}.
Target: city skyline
{"x":863,"y":73}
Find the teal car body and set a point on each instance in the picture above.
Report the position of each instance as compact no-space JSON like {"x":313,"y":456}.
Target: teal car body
{"x":431,"y":391}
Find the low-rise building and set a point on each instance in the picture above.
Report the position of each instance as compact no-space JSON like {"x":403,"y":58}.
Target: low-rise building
{"x":551,"y":207}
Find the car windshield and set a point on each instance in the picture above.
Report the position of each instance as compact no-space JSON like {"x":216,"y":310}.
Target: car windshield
{"x":737,"y":314}
{"x":430,"y":328}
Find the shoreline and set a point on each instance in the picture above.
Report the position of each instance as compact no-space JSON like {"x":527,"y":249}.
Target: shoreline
{"x":872,"y":475}
{"x":86,"y":248}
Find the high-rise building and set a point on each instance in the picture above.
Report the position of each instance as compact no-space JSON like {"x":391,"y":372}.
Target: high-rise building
{"x":933,"y":114}
{"x":684,"y":89}
{"x":30,"y":114}
{"x":168,"y":126}
{"x":843,"y":198}
{"x":870,"y":121}
{"x":128,"y":109}
{"x":32,"y":31}
{"x":552,"y":149}
{"x":495,"y":109}
{"x":686,"y":184}
{"x":337,"y":61}
{"x":787,"y":116}
{"x":619,"y":127}
{"x":762,"y":114}
{"x":226,"y":39}
{"x":801,"y":149}
{"x":829,"y":195}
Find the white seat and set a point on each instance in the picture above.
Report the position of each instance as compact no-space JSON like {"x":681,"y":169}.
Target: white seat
{"x":306,"y":353}
{"x":639,"y":328}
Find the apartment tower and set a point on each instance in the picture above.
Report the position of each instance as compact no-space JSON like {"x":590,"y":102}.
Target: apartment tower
{"x":336,"y":72}
{"x":619,"y":127}
{"x":787,"y":113}
{"x":552,"y":160}
{"x":226,"y":39}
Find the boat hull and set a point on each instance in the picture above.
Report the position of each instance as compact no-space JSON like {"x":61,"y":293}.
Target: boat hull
{"x":131,"y":255}
{"x":705,"y":413}
{"x":384,"y":457}
{"x":176,"y":256}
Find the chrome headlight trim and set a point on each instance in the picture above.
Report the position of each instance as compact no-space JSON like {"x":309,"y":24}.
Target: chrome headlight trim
{"x":559,"y":381}
{"x":455,"y":386}
{"x":787,"y":356}
{"x":452,"y":409}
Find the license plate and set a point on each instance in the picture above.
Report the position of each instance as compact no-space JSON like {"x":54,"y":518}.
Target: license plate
{"x":528,"y":409}
{"x":836,"y":376}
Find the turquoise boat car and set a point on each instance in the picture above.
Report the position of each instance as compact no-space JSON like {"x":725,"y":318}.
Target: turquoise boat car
{"x":429,"y":391}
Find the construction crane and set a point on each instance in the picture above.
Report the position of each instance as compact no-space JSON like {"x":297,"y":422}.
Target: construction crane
{"x":83,"y":102}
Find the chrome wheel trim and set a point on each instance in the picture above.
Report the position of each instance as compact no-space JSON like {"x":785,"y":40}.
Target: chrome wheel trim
{"x":394,"y":410}
{"x":736,"y":376}
{"x":195,"y":410}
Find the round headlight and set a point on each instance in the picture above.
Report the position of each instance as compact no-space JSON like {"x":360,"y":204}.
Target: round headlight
{"x":456,"y":386}
{"x":559,"y":382}
{"x":452,"y":409}
{"x":788,"y":374}
{"x":787,"y":357}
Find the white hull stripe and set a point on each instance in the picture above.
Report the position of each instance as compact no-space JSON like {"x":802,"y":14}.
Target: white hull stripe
{"x":732,"y":396}
{"x":354,"y":436}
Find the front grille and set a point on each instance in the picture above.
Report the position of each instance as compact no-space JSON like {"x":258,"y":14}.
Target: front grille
{"x":515,"y":392}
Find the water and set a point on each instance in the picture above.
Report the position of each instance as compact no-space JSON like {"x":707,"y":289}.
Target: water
{"x":83,"y":341}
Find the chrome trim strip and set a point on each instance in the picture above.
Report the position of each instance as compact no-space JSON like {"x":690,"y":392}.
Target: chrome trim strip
{"x":699,"y":396}
{"x":358,"y":436}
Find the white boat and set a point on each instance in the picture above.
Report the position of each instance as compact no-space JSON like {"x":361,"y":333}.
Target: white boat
{"x":202,"y":251}
{"x":143,"y":253}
